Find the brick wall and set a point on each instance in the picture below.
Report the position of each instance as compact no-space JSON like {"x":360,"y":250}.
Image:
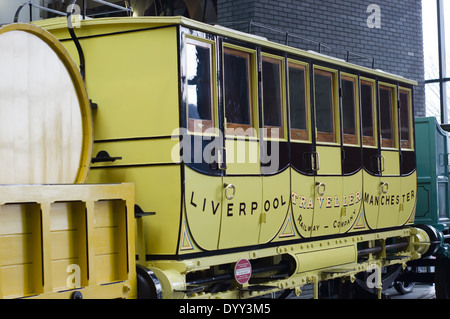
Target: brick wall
{"x":396,"y":46}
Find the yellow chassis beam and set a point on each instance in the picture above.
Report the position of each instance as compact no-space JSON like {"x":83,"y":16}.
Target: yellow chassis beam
{"x":316,"y":261}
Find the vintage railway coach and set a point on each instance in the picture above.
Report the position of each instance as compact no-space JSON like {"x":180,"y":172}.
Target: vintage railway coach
{"x":247,"y":149}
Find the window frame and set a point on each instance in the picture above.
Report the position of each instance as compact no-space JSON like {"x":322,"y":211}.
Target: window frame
{"x":371,"y":141}
{"x":394,"y":115}
{"x":238,"y":129}
{"x":351,"y":139}
{"x":282,"y":65}
{"x":205,"y":125}
{"x":300,"y":135}
{"x":410,"y":120}
{"x":323,"y":137}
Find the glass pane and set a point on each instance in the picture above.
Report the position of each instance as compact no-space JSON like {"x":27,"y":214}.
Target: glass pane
{"x":237,"y":87}
{"x":271,"y":73}
{"x":404,"y":119}
{"x":367,"y":113}
{"x":386,"y":118}
{"x":348,"y":110}
{"x":432,"y":97}
{"x":297,"y":101}
{"x":323,"y":97}
{"x":447,"y":97}
{"x":430,"y":39}
{"x":446,"y":6}
{"x":199,"y":82}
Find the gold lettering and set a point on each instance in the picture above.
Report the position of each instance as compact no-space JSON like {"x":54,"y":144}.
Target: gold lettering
{"x":328,"y":204}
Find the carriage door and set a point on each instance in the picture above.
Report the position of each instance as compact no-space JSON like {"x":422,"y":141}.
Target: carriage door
{"x":301,"y":147}
{"x":408,"y":158}
{"x":390,"y":183}
{"x":328,"y":179}
{"x":351,"y":152}
{"x":371,"y":156}
{"x":274,"y":151}
{"x":202,"y":175}
{"x":242,"y":182}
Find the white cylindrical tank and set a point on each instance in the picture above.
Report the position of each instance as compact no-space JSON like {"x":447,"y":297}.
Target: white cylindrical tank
{"x":45,"y":116}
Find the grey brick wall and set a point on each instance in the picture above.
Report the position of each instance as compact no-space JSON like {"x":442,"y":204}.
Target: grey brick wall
{"x":397,"y":46}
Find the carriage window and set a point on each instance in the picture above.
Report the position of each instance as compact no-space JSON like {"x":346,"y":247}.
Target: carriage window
{"x":349,"y":110}
{"x":199,"y":85}
{"x":297,"y":102}
{"x":272,"y":96}
{"x":405,"y":110}
{"x":237,"y":90}
{"x":324,"y":106}
{"x":367,"y":109}
{"x":387,"y":116}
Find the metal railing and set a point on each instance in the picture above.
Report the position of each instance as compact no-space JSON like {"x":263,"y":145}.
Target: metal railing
{"x":320,"y":46}
{"x":32,"y":5}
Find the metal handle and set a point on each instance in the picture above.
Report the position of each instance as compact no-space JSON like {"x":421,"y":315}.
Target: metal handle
{"x":315,"y":161}
{"x":319,"y":185}
{"x":381,"y":163}
{"x":229,"y":187}
{"x":103,"y":156}
{"x":221,"y":155}
{"x":384,"y":187}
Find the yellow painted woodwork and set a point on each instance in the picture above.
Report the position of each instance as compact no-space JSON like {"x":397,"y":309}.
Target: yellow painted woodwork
{"x":329,"y":160}
{"x":327,"y":205}
{"x":67,"y":227}
{"x":241,"y":215}
{"x":142,"y":151}
{"x":409,"y":198}
{"x":351,"y":202}
{"x":157,"y":189}
{"x":303,"y":201}
{"x":370,"y":197}
{"x":152,"y":101}
{"x":242,"y":156}
{"x":389,"y":202}
{"x":390,"y":163}
{"x":275,"y":204}
{"x":203,"y":203}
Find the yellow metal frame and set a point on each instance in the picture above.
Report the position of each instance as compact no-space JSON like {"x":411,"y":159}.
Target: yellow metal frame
{"x":315,"y":261}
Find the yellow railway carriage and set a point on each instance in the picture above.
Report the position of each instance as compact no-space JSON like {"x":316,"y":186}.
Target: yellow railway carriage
{"x":257,"y":167}
{"x":247,"y":149}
